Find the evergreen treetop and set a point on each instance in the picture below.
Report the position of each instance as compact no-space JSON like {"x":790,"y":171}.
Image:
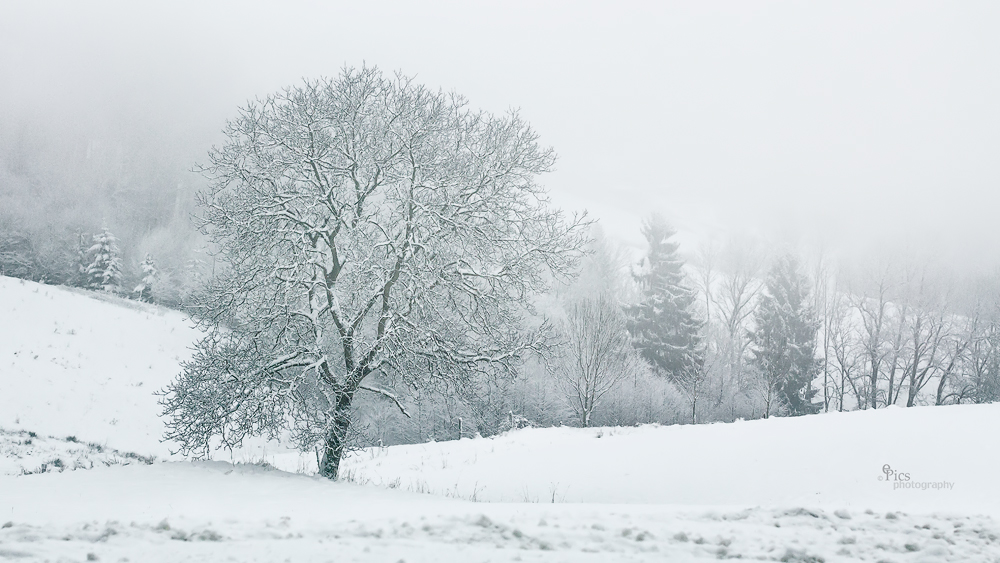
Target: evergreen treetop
{"x":150,"y":274}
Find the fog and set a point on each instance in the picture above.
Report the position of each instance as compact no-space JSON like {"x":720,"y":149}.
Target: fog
{"x":854,"y":127}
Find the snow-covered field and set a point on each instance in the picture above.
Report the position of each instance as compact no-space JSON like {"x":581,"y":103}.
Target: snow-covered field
{"x":829,"y":460}
{"x":77,"y":375}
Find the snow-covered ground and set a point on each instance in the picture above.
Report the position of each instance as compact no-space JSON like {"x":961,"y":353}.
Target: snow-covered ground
{"x":77,"y":376}
{"x":73,"y":364}
{"x":945,"y":458}
{"x":26,"y":453}
{"x":215,"y":511}
{"x":87,"y":365}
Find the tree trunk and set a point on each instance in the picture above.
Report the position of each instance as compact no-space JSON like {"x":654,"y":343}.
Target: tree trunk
{"x":939,"y":397}
{"x":911,"y":395}
{"x":333,"y":450}
{"x":843,"y":389}
{"x":826,"y":386}
{"x":873,"y":389}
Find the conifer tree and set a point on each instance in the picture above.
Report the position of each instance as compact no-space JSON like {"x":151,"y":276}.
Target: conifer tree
{"x":783,"y":342}
{"x":663,"y":325}
{"x":150,"y":274}
{"x":79,"y":276}
{"x":105,"y":270}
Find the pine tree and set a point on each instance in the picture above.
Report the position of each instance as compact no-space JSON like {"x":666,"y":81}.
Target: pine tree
{"x":79,"y":276}
{"x":663,"y":325}
{"x":150,"y":274}
{"x":783,"y":342}
{"x":105,"y":270}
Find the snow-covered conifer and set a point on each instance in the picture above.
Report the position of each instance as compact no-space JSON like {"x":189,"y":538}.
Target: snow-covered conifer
{"x":663,"y":325}
{"x":783,"y":341}
{"x":144,"y":291}
{"x":105,"y":270}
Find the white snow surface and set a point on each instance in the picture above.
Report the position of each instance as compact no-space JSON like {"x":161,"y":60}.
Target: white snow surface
{"x":85,"y":364}
{"x":78,"y":371}
{"x":88,"y":364}
{"x":826,"y":460}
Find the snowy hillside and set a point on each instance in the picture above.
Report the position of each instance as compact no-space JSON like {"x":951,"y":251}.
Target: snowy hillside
{"x":74,"y":364}
{"x":88,"y":365}
{"x":77,"y":375}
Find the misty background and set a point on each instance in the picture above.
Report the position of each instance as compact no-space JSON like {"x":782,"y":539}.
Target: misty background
{"x":855,"y":128}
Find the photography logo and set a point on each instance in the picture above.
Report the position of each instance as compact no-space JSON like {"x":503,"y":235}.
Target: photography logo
{"x":902,"y":480}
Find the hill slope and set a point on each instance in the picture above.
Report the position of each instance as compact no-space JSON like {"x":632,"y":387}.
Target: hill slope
{"x":87,"y":365}
{"x":72,"y":363}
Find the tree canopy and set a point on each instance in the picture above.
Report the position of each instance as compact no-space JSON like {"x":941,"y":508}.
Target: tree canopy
{"x":368,"y":228}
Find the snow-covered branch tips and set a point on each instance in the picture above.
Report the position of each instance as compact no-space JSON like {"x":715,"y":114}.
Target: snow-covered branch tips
{"x":368,"y":227}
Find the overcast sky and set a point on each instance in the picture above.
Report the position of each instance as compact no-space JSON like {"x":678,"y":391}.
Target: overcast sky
{"x":866,"y":125}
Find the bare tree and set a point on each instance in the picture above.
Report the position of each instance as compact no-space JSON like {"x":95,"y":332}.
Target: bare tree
{"x":957,"y":345}
{"x":982,"y":372}
{"x":977,"y":380}
{"x":706,"y":269}
{"x":598,"y":353}
{"x":371,"y":230}
{"x":847,"y":355}
{"x":821,"y":304}
{"x":927,"y":333}
{"x":877,"y":318}
{"x":894,"y":366}
{"x":739,"y":287}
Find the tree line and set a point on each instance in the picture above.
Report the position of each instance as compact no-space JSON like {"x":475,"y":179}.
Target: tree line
{"x":98,"y":262}
{"x":741,"y":334}
{"x":735,"y":334}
